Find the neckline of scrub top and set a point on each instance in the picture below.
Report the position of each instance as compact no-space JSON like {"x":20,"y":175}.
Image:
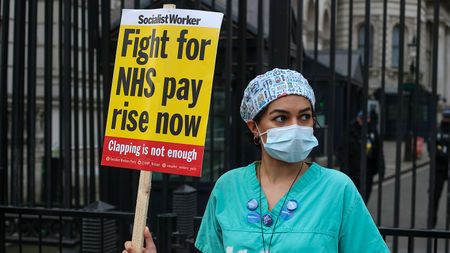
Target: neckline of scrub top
{"x":311,"y":174}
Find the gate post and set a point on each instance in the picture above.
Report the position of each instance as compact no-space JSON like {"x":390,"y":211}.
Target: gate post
{"x":2,"y":232}
{"x":279,"y":28}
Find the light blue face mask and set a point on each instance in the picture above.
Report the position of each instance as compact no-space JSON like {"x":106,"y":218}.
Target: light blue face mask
{"x":290,"y":144}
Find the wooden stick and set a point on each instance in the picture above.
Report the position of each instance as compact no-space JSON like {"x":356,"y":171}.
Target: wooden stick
{"x":140,"y":216}
{"x":169,"y":6}
{"x":143,"y":197}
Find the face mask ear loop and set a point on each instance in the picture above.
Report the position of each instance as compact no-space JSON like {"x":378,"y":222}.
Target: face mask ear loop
{"x":260,"y":134}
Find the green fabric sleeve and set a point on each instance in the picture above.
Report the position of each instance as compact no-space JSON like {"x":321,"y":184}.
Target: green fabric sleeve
{"x":209,"y":237}
{"x":358,"y":232}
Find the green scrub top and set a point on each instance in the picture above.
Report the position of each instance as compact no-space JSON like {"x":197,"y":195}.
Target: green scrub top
{"x":330,"y":216}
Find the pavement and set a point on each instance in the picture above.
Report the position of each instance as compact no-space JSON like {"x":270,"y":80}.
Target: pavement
{"x":413,"y":207}
{"x":389,"y":148}
{"x":405,"y":166}
{"x":410,"y":205}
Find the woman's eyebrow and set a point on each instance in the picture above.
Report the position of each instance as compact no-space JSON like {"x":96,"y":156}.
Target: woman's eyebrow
{"x":287,"y":112}
{"x":304,"y":110}
{"x":278,"y":111}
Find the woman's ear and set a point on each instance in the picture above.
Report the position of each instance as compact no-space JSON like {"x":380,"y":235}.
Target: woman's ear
{"x":252,"y":127}
{"x":316,"y":124}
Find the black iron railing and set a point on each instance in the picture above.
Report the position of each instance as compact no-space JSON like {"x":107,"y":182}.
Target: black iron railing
{"x":60,"y":228}
{"x":42,"y":228}
{"x":54,"y":90}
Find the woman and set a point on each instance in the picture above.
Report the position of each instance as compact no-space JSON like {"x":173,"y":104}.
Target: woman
{"x":282,"y":203}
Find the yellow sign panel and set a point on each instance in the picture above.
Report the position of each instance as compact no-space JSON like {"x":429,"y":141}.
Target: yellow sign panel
{"x":161,"y":90}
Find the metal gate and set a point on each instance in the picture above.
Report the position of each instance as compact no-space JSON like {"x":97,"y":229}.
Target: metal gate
{"x":55,"y":77}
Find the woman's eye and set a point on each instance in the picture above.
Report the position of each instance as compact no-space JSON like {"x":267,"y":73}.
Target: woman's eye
{"x":305,"y":117}
{"x":280,"y":118}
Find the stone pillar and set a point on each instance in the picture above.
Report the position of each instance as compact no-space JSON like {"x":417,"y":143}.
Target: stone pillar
{"x":447,"y":64}
{"x":441,"y":89}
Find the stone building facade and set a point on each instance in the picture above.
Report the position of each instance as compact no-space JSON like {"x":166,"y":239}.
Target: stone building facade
{"x":391,"y":39}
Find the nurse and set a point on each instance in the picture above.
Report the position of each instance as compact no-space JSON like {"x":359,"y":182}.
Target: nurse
{"x":283,"y":203}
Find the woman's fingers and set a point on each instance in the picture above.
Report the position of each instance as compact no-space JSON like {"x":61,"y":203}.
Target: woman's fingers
{"x":128,"y":247}
{"x":149,"y":244}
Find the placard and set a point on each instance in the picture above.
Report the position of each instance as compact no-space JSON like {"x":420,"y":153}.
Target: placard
{"x":161,"y":90}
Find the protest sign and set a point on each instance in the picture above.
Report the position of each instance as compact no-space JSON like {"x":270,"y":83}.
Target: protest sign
{"x":161,"y":90}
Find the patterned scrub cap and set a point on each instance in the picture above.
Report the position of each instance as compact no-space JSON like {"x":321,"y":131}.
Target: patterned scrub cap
{"x":273,"y":84}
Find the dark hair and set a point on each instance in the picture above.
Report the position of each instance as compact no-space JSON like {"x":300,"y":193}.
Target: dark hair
{"x":259,"y":115}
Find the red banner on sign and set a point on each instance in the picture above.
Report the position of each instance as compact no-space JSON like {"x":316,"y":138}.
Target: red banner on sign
{"x":165,"y":157}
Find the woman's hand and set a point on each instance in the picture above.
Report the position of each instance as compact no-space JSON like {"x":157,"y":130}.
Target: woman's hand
{"x":149,"y":244}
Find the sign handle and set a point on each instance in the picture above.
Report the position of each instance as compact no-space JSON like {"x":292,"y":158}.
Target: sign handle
{"x":140,"y":216}
{"x":143,"y":197}
{"x":169,"y":6}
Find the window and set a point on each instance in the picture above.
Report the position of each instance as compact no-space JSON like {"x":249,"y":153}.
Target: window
{"x":395,"y":46}
{"x":361,"y":41}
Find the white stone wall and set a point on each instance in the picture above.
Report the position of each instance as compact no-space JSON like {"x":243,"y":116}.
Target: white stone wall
{"x":309,"y":23}
{"x":447,"y":64}
{"x":40,"y":81}
{"x":393,"y":18}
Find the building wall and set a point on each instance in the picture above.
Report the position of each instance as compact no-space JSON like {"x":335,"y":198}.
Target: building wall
{"x":393,"y":19}
{"x":40,"y":86}
{"x":376,"y":21}
{"x":309,"y":23}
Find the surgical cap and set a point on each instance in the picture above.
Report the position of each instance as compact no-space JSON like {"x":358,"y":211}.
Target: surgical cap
{"x":273,"y":84}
